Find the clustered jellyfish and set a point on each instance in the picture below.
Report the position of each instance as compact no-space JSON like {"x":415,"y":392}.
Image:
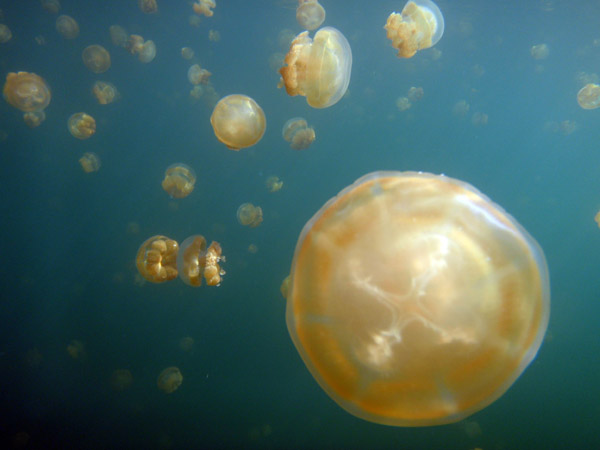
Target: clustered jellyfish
{"x":238,"y":121}
{"x":249,"y":215}
{"x":297,"y":132}
{"x":169,"y":380}
{"x":26,"y":91}
{"x":310,"y":14}
{"x":105,"y":92}
{"x":179,"y":180}
{"x":81,"y":125}
{"x":90,"y":162}
{"x":96,"y":58}
{"x":415,"y":300}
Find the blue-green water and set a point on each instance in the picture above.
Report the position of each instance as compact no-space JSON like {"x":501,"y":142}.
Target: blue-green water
{"x":68,"y":247}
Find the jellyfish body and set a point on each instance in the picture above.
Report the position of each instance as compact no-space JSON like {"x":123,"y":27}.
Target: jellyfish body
{"x":195,"y":261}
{"x":318,"y":68}
{"x":90,"y":162}
{"x":197,"y":75}
{"x":105,"y":92}
{"x":588,"y":96}
{"x":81,"y":125}
{"x":96,"y":58}
{"x":249,"y":215}
{"x":5,"y":34}
{"x":415,"y":300}
{"x":169,"y":380}
{"x":67,"y":27}
{"x":238,"y":121}
{"x":179,"y":180}
{"x":34,"y":119}
{"x":310,"y":14}
{"x":156,"y":259}
{"x":26,"y":91}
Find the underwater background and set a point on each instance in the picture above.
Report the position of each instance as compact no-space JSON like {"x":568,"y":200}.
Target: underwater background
{"x":69,"y":239}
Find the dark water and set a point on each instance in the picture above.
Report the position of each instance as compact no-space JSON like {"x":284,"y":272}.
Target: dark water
{"x":68,"y":250}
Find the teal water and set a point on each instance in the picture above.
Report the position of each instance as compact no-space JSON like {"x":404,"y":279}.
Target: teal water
{"x":68,"y":245}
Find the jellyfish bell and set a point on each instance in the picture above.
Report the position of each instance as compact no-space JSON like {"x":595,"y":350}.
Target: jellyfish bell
{"x":96,"y":58}
{"x":81,"y":125}
{"x":204,"y":7}
{"x":34,"y":119}
{"x":156,"y":259}
{"x":179,"y":180}
{"x":238,"y":121}
{"x":415,"y":300}
{"x":297,"y":132}
{"x":105,"y":92}
{"x":5,"y":34}
{"x":249,"y":215}
{"x":195,"y":261}
{"x":148,"y":52}
{"x":588,"y":96}
{"x":310,"y":14}
{"x":148,"y":6}
{"x":26,"y":91}
{"x":169,"y":380}
{"x":67,"y":27}
{"x":318,"y":68}
{"x":118,"y":35}
{"x":419,"y":26}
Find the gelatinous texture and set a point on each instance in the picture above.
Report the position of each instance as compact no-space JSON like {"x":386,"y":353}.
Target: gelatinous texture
{"x":26,"y":91}
{"x":90,"y":162}
{"x":81,"y":125}
{"x":238,"y":121}
{"x":197,"y":75}
{"x":249,"y":215}
{"x":5,"y":34}
{"x":273,"y":183}
{"x":415,"y":300}
{"x":156,"y":259}
{"x":67,"y":27}
{"x":118,"y":35}
{"x":121,"y":379}
{"x":105,"y":92}
{"x":419,"y":26}
{"x":179,"y":180}
{"x":169,"y":380}
{"x":196,"y":261}
{"x":403,"y":103}
{"x":539,"y":51}
{"x":318,"y":68}
{"x":148,"y":6}
{"x":588,"y":96}
{"x":310,"y":14}
{"x":96,"y":58}
{"x":187,"y":53}
{"x":204,"y":7}
{"x":34,"y":119}
{"x":147,"y":52}
{"x":297,"y":132}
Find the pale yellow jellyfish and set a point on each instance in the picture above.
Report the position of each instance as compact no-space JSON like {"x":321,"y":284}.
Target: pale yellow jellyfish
{"x":419,"y":26}
{"x":52,"y":6}
{"x":461,"y":108}
{"x":105,"y":92}
{"x":249,"y":215}
{"x":187,"y":53}
{"x":285,"y":286}
{"x":90,"y":162}
{"x":67,"y":27}
{"x":169,"y":380}
{"x":147,"y":52}
{"x":81,"y":125}
{"x":415,"y":300}
{"x":156,"y":259}
{"x":297,"y":132}
{"x":34,"y":119}
{"x":204,"y":7}
{"x":588,"y":96}
{"x":5,"y":34}
{"x":96,"y":58}
{"x":310,"y":14}
{"x":273,"y":183}
{"x":539,"y":51}
{"x":26,"y":91}
{"x":238,"y":121}
{"x":179,"y":180}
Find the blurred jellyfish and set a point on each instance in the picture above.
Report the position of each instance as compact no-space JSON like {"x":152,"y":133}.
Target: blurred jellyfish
{"x":204,"y":7}
{"x":76,"y":349}
{"x":403,"y":103}
{"x":479,"y":119}
{"x":179,"y":180}
{"x":461,"y":108}
{"x":285,"y":286}
{"x":121,"y":379}
{"x":52,"y":6}
{"x":539,"y":51}
{"x":588,"y":96}
{"x":148,"y":6}
{"x":285,"y":38}
{"x":169,"y":380}
{"x":195,"y":261}
{"x":34,"y":119}
{"x":310,"y":14}
{"x":197,"y":75}
{"x":249,"y":215}
{"x":253,"y":248}
{"x":40,"y":40}
{"x":415,"y":94}
{"x":96,"y":58}
{"x":81,"y":125}
{"x":186,"y":344}
{"x":214,"y":36}
{"x":187,"y":53}
{"x":5,"y":34}
{"x":118,"y":35}
{"x":67,"y":27}
{"x":26,"y":91}
{"x":90,"y":162}
{"x":597,"y":218}
{"x":146,"y":50}
{"x":105,"y":92}
{"x":273,"y":183}
{"x":297,"y":132}
{"x":238,"y":121}
{"x":194,"y":20}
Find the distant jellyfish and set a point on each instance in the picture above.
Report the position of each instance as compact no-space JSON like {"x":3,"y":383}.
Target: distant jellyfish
{"x":415,"y":93}
{"x":40,"y":40}
{"x":169,"y":380}
{"x":285,"y":38}
{"x":148,"y":52}
{"x":5,"y":34}
{"x":273,"y":183}
{"x":90,"y":162}
{"x":145,"y":50}
{"x":588,"y":96}
{"x":403,"y":103}
{"x":67,"y":27}
{"x":26,"y":91}
{"x":179,"y":180}
{"x":121,"y":379}
{"x":195,"y":261}
{"x":187,"y":53}
{"x":198,"y":75}
{"x":460,"y":108}
{"x":539,"y":51}
{"x":148,"y":6}
{"x":34,"y":119}
{"x":253,"y":248}
{"x":297,"y":132}
{"x":310,"y":14}
{"x":479,"y":119}
{"x":96,"y":58}
{"x":81,"y":125}
{"x":52,"y":6}
{"x":419,"y":26}
{"x":204,"y":7}
{"x":194,"y":20}
{"x":76,"y":349}
{"x":249,"y":215}
{"x":214,"y":36}
{"x":186,"y":344}
{"x":118,"y":35}
{"x":105,"y":92}
{"x":597,"y":218}
{"x":238,"y":121}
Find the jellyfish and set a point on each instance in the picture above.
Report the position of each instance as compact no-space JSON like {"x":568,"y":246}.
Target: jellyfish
{"x":96,"y":58}
{"x":419,"y":26}
{"x":40,"y":40}
{"x":34,"y":119}
{"x":186,"y":344}
{"x":187,"y":53}
{"x":297,"y":132}
{"x":90,"y":162}
{"x":238,"y":121}
{"x":204,"y":7}
{"x":539,"y":51}
{"x":403,"y":103}
{"x":415,"y":300}
{"x":148,"y":6}
{"x":195,"y":261}
{"x":156,"y":259}
{"x":214,"y":36}
{"x":118,"y":35}
{"x":105,"y":92}
{"x":249,"y":215}
{"x":461,"y":108}
{"x":5,"y":34}
{"x":179,"y":180}
{"x":479,"y":119}
{"x":273,"y":183}
{"x":197,"y":75}
{"x":147,"y":52}
{"x":169,"y":380}
{"x":26,"y":91}
{"x":415,"y":93}
{"x":121,"y":379}
{"x":310,"y":14}
{"x":318,"y":68}
{"x":597,"y":218}
{"x":588,"y":96}
{"x":285,"y":286}
{"x":76,"y":349}
{"x":67,"y":27}
{"x":52,"y":6}
{"x":81,"y":125}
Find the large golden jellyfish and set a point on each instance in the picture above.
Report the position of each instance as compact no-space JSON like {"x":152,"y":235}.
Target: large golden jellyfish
{"x":238,"y":121}
{"x":419,"y":26}
{"x":156,"y":259}
{"x":204,"y":7}
{"x":415,"y":300}
{"x":26,"y":91}
{"x":169,"y":380}
{"x":105,"y":92}
{"x":588,"y":96}
{"x":310,"y":14}
{"x":318,"y":68}
{"x":81,"y":125}
{"x":179,"y":180}
{"x":67,"y":27}
{"x":96,"y":58}
{"x":195,"y":261}
{"x":249,"y":215}
{"x":297,"y":132}
{"x":148,"y":6}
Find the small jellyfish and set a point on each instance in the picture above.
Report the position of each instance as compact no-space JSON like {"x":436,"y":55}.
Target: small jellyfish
{"x":67,"y":27}
{"x":588,"y":96}
{"x":403,"y":103}
{"x":197,"y":92}
{"x":5,"y":34}
{"x":310,"y":14}
{"x":179,"y":180}
{"x":26,"y":91}
{"x":461,"y":108}
{"x":121,"y":379}
{"x":197,"y":75}
{"x":148,"y":6}
{"x":169,"y":380}
{"x":118,"y":35}
{"x":204,"y":7}
{"x":76,"y":349}
{"x":187,"y":53}
{"x":90,"y":162}
{"x":297,"y":132}
{"x":318,"y":68}
{"x":147,"y":52}
{"x":34,"y":119}
{"x":419,"y":26}
{"x":195,"y":261}
{"x":539,"y":51}
{"x":597,"y":218}
{"x":415,"y":93}
{"x":52,"y":6}
{"x":96,"y":58}
{"x":214,"y":36}
{"x":105,"y":92}
{"x":479,"y":119}
{"x":194,"y":20}
{"x":81,"y":125}
{"x":186,"y":344}
{"x":156,"y":259}
{"x":249,"y":215}
{"x":273,"y":183}
{"x":253,"y":248}
{"x":238,"y":121}
{"x":40,"y":40}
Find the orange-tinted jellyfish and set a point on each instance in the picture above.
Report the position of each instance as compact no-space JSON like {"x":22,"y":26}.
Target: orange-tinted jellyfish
{"x":310,"y":14}
{"x":195,"y":261}
{"x":156,"y":259}
{"x":96,"y":58}
{"x":169,"y":380}
{"x":238,"y":121}
{"x":249,"y":215}
{"x":34,"y":119}
{"x":90,"y":162}
{"x":67,"y":27}
{"x":105,"y":92}
{"x":26,"y":91}
{"x":415,"y":300}
{"x":297,"y":132}
{"x":318,"y":68}
{"x":419,"y":26}
{"x":148,"y":6}
{"x":588,"y":96}
{"x":81,"y":125}
{"x":179,"y":180}
{"x":204,"y":7}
